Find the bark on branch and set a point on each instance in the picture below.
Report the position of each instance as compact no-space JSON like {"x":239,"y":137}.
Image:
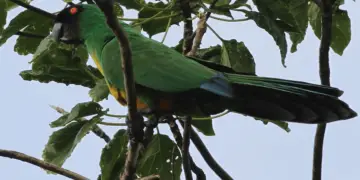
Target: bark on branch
{"x":200,"y":146}
{"x":185,"y":148}
{"x":37,"y":162}
{"x":135,"y":121}
{"x":188,"y":28}
{"x":198,"y":35}
{"x":34,"y":9}
{"x":200,"y":175}
{"x":324,"y":71}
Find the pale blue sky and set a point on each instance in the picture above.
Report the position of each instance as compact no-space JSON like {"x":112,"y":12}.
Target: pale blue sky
{"x":247,"y":149}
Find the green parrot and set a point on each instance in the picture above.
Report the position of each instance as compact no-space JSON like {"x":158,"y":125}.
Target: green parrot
{"x":169,"y":83}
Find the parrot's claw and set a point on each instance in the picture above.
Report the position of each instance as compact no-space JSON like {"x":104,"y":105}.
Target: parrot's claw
{"x":152,"y":122}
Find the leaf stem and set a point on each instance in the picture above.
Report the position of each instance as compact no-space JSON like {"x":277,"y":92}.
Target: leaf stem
{"x":156,"y":15}
{"x":229,"y":20}
{"x":112,"y":124}
{"x":115,"y":115}
{"x":212,"y":117}
{"x":167,"y":28}
{"x":216,"y":34}
{"x":37,"y":162}
{"x":153,"y":18}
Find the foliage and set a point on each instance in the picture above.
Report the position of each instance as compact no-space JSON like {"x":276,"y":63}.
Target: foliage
{"x":54,"y":62}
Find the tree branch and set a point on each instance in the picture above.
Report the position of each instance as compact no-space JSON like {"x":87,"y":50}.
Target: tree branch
{"x":207,"y":156}
{"x":196,"y":38}
{"x":188,"y":28}
{"x":324,"y":71}
{"x":200,"y":175}
{"x":37,"y":162}
{"x":34,"y":9}
{"x":30,"y":35}
{"x":151,"y":177}
{"x":135,"y":121}
{"x":185,"y":148}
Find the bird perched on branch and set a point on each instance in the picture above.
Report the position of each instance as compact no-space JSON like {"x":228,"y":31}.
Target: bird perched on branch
{"x":167,"y":82}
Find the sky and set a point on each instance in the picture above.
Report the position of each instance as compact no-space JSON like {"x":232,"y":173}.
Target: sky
{"x":245,"y":148}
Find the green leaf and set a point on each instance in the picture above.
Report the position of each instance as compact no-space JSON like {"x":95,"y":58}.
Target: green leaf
{"x":32,"y":22}
{"x":11,"y":5}
{"x":100,"y":91}
{"x":341,"y":31}
{"x":156,"y":26}
{"x":292,"y":12}
{"x":161,"y":157}
{"x":78,"y":111}
{"x":271,"y":27}
{"x":131,"y":4}
{"x":286,"y":27}
{"x":224,"y":7}
{"x":3,"y":15}
{"x":62,"y":64}
{"x":84,"y":109}
{"x":204,"y":126}
{"x":211,"y":54}
{"x":341,"y":27}
{"x":61,"y":75}
{"x":237,"y":56}
{"x":113,"y":156}
{"x":62,"y":142}
{"x":61,"y":121}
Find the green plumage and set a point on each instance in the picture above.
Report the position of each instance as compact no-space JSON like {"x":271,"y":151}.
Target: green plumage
{"x":163,"y":73}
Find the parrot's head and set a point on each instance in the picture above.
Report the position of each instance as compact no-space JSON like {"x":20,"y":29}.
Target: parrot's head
{"x":77,"y":22}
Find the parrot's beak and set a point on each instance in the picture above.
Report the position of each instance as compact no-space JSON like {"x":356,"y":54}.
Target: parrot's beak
{"x":57,"y":31}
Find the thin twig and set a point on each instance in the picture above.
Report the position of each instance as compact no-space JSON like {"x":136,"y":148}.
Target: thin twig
{"x":96,"y":129}
{"x":37,"y":162}
{"x":151,"y":177}
{"x":135,"y":121}
{"x":30,"y":35}
{"x":34,"y":9}
{"x":198,"y":35}
{"x":200,"y":175}
{"x":200,"y":31}
{"x":200,"y":146}
{"x":188,"y":27}
{"x":185,"y":148}
{"x":324,"y":71}
{"x":212,"y":5}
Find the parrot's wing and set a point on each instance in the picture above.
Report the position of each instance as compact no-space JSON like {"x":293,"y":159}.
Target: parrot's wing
{"x":155,"y":65}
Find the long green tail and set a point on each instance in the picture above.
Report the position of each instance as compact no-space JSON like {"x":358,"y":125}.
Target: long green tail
{"x":286,"y":100}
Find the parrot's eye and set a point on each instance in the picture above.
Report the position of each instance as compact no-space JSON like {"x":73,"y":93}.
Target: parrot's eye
{"x":73,"y":10}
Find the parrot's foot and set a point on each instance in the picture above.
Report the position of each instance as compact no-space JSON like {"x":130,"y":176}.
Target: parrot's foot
{"x":136,"y":128}
{"x":152,"y":122}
